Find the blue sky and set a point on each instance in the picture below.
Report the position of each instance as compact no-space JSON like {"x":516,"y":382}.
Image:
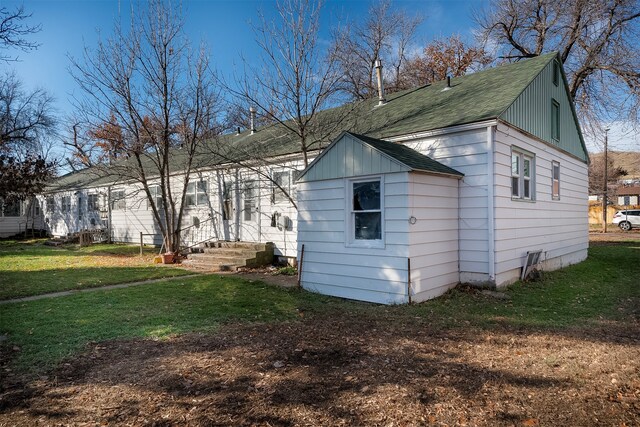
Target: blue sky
{"x":69,"y":25}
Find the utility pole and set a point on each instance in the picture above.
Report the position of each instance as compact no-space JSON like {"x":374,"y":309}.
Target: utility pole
{"x":606,"y":178}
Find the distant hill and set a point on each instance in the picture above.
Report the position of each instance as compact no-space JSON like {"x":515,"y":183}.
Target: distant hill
{"x":627,"y":160}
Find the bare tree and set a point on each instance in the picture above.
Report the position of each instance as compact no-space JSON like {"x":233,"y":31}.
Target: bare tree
{"x":597,"y":42}
{"x":385,"y":34}
{"x":14,"y":30}
{"x":441,"y":58}
{"x":149,"y":86}
{"x":26,"y":127}
{"x":294,"y":78}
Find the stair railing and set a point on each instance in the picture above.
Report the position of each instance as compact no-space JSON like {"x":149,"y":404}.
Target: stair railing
{"x":197,"y":234}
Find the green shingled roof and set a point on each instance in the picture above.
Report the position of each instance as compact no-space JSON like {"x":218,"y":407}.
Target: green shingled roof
{"x":408,"y":156}
{"x":472,"y":98}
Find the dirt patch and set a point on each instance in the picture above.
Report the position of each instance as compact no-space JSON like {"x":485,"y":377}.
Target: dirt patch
{"x":343,"y":369}
{"x":614,"y":237}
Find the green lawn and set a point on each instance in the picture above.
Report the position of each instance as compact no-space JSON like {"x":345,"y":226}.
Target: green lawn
{"x":32,"y":268}
{"x":605,"y":288}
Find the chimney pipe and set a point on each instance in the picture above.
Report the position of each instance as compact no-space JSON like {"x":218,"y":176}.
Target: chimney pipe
{"x":238,"y":130}
{"x":252,"y":113}
{"x":448,"y":81}
{"x":381,"y":98}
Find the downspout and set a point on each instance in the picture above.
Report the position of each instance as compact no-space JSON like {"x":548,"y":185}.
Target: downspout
{"x":491,"y":203}
{"x":109,"y":229}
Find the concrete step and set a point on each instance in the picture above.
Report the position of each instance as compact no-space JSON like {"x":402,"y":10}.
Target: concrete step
{"x":197,"y":266}
{"x":225,"y":256}
{"x":240,"y":245}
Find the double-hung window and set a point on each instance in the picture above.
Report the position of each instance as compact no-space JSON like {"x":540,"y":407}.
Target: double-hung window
{"x":522,"y":175}
{"x":281,"y":186}
{"x":51,"y":204}
{"x":197,"y":193}
{"x":118,"y":201}
{"x":555,"y":180}
{"x":156,"y":196}
{"x":249,"y":200}
{"x":65,"y":203}
{"x":92,"y":203}
{"x":366,"y":212}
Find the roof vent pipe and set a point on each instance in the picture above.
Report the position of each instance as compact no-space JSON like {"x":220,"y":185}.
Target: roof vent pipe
{"x":252,"y":113}
{"x":381,"y":98}
{"x":448,"y":81}
{"x":238,"y":131}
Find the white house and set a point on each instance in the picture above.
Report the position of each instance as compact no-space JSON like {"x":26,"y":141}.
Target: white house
{"x":456,"y":180}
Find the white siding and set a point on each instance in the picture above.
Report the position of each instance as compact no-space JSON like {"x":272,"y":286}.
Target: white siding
{"x":466,"y":152}
{"x":434,"y":236}
{"x":333,"y":267}
{"x":558,"y":227}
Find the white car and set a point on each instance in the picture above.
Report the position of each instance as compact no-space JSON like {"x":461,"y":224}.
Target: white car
{"x":628,"y":219}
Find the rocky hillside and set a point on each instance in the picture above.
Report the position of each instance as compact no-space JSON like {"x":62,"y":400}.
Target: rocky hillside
{"x":627,"y":160}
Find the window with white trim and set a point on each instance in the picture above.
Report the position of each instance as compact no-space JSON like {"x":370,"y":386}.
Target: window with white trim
{"x":92,"y":203}
{"x":522,"y":175}
{"x":249,"y":200}
{"x":555,"y":180}
{"x":51,"y":204}
{"x":197,"y":193}
{"x":365,"y":210}
{"x":227,"y":200}
{"x":65,"y":204}
{"x":118,"y":200}
{"x":156,"y":196}
{"x":12,"y":208}
{"x":281,"y":186}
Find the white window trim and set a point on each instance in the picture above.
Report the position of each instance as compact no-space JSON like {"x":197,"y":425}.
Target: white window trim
{"x":523,"y":155}
{"x":350,"y":232}
{"x":554,"y":196}
{"x":276,"y":192}
{"x":118,"y":203}
{"x":195,"y":193}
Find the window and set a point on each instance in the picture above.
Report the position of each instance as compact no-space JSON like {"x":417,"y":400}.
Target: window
{"x":156,"y":196}
{"x":249,"y":200}
{"x":51,"y":204}
{"x":227,"y":201}
{"x":281,"y":181}
{"x":80,"y":208}
{"x":556,"y":73}
{"x":555,"y":120}
{"x":11,"y":208}
{"x":118,"y":201}
{"x":65,"y":204}
{"x":555,"y":180}
{"x":522,"y":175}
{"x":366,"y":211}
{"x":92,"y":203}
{"x":197,"y":193}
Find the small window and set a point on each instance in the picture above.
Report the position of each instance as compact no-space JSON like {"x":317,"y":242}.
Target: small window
{"x":555,"y":180}
{"x":366,"y":211}
{"x":11,"y":209}
{"x":197,"y":193}
{"x":555,"y":120}
{"x":522,"y":175}
{"x":556,"y":73}
{"x":118,"y":200}
{"x":65,"y":204}
{"x":227,"y":200}
{"x":281,"y":186}
{"x":80,"y":205}
{"x":249,"y":200}
{"x":51,"y":204}
{"x":156,"y":196}
{"x":92,"y":203}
